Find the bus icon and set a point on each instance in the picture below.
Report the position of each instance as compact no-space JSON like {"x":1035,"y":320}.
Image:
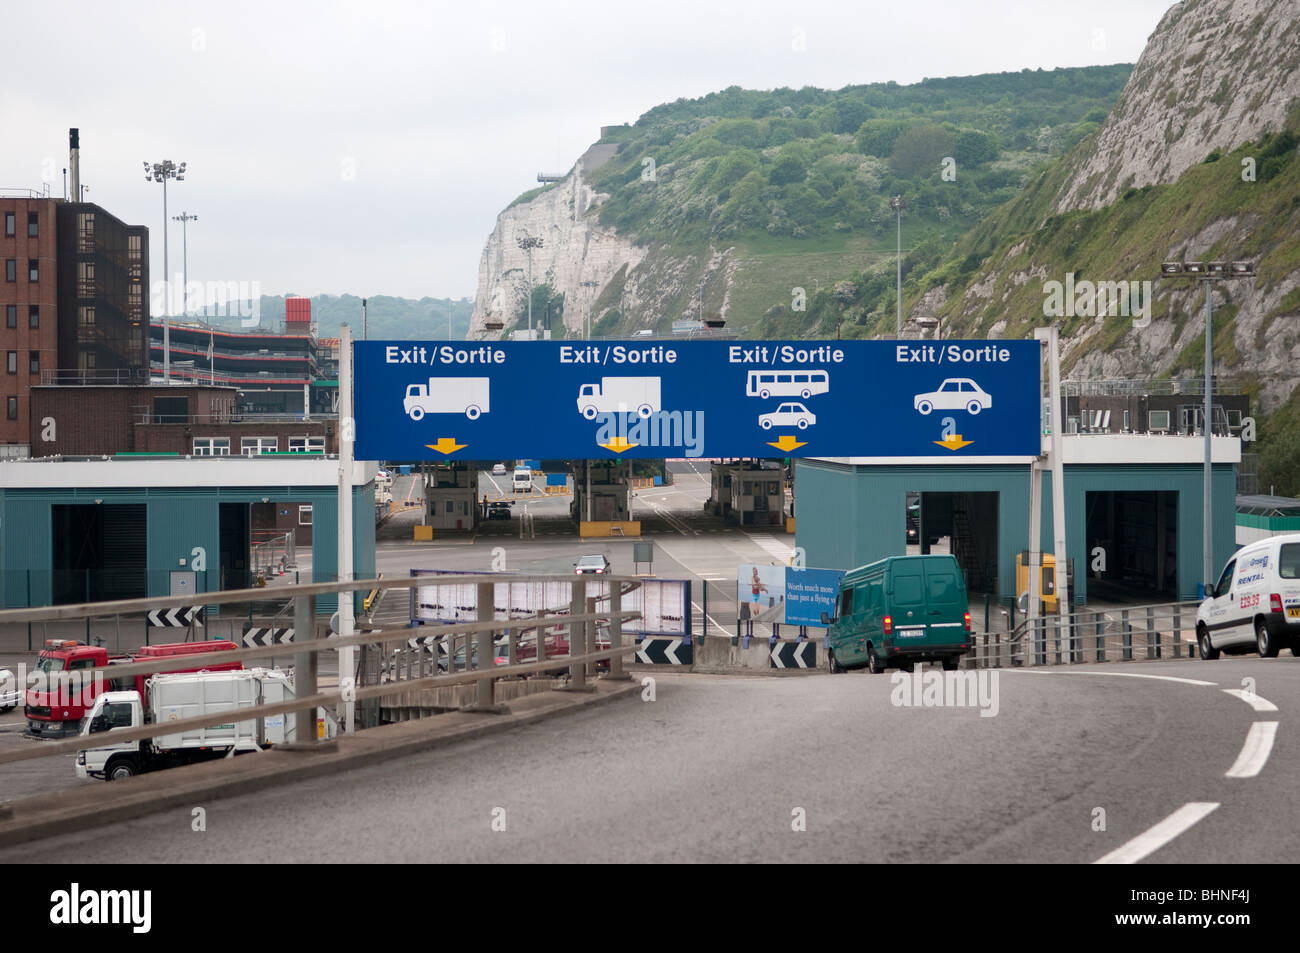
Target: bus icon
{"x":793,"y":383}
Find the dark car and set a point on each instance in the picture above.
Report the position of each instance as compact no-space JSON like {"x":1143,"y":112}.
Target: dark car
{"x":498,"y":511}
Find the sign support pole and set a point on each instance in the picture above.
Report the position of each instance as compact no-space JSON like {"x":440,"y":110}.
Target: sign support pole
{"x":1058,"y":472}
{"x":346,"y":663}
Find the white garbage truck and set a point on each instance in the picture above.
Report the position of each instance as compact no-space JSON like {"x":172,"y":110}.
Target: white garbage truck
{"x":172,"y":697}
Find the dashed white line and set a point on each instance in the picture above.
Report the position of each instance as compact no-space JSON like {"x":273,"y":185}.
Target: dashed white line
{"x":1255,"y":752}
{"x":1251,"y":699}
{"x":1152,"y":840}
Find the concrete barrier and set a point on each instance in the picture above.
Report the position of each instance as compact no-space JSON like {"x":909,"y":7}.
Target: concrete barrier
{"x":423,"y":534}
{"x":716,"y":655}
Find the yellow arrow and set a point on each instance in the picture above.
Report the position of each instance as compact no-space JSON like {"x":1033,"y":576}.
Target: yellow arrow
{"x":954,"y":442}
{"x":786,"y":443}
{"x":618,"y":445}
{"x":447,"y":445}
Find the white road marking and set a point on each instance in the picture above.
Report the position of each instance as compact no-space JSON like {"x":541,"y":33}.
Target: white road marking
{"x":1251,"y":699}
{"x":1152,"y":840}
{"x":1255,"y":752}
{"x":774,"y":547}
{"x":696,"y":605}
{"x":1159,"y":678}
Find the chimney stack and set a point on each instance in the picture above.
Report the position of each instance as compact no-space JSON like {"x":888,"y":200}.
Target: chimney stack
{"x":74,"y":163}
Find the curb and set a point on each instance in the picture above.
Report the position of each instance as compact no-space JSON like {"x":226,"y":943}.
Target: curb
{"x":93,"y":805}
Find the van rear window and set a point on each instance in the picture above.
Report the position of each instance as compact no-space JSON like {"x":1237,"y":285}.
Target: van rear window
{"x":943,"y":586}
{"x":1288,"y":561}
{"x":907,"y":590}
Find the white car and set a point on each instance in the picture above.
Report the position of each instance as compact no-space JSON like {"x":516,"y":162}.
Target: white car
{"x":10,"y":696}
{"x":1255,"y":606}
{"x":790,"y":414}
{"x":955,"y":393}
{"x":499,"y":469}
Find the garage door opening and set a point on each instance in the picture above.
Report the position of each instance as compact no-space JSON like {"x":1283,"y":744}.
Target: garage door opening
{"x":100,"y":552}
{"x":964,"y":524}
{"x":1132,"y":546}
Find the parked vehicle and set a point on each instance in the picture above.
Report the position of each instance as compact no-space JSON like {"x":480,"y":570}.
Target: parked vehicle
{"x":522,"y":481}
{"x":597,"y":563}
{"x":54,"y":706}
{"x":498,"y":511}
{"x":10,"y":696}
{"x":899,"y":611}
{"x":188,"y":695}
{"x":448,"y":395}
{"x":1255,"y":605}
{"x":498,"y":469}
{"x":1047,"y":581}
{"x":620,"y":394}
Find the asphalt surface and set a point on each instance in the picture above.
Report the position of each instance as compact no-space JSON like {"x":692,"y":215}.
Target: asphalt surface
{"x":722,"y":768}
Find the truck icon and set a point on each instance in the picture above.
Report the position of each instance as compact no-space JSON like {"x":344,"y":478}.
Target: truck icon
{"x":448,"y":395}
{"x":620,"y":395}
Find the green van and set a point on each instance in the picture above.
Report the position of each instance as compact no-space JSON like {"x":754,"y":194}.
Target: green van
{"x":899,"y":611}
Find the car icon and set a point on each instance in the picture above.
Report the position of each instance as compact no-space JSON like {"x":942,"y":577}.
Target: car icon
{"x":790,"y":414}
{"x":955,"y":393}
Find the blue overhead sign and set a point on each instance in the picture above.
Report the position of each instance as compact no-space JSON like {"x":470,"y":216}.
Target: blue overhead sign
{"x":615,"y":399}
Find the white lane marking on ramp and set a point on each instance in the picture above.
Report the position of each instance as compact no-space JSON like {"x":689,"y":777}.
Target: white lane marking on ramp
{"x":774,"y":547}
{"x":1158,"y":678}
{"x":1255,"y":752}
{"x":1253,"y":700}
{"x":1152,"y":840}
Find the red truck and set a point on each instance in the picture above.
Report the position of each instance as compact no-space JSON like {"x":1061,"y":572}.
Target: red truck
{"x":54,"y":708}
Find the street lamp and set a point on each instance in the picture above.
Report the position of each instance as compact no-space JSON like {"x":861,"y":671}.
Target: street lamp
{"x":161,"y":172}
{"x":1207,"y":272}
{"x":185,"y":218}
{"x":897,"y":204}
{"x":527,"y":243}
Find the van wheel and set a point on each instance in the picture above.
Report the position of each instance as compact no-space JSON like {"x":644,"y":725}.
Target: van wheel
{"x":836,"y":668}
{"x":1203,"y":643}
{"x":1264,"y":641}
{"x":873,"y":661}
{"x":119,"y":770}
{"x":951,"y":662}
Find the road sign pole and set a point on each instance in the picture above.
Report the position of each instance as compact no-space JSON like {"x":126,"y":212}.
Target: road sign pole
{"x":345,"y":431}
{"x":1058,"y":470}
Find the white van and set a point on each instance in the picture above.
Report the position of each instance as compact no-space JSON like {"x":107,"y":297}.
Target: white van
{"x":523,"y":480}
{"x":1256,"y":602}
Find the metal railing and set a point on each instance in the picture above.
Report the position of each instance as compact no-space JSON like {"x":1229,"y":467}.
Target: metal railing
{"x":231,"y":417}
{"x":71,"y":377}
{"x":267,"y":557}
{"x":1145,"y":388}
{"x":479,"y":637}
{"x":1119,"y":634}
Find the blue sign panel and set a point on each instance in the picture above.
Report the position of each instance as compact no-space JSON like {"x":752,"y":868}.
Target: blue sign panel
{"x":614,"y":399}
{"x":809,"y":593}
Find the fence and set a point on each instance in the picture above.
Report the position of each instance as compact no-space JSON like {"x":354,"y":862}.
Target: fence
{"x":1166,"y":630}
{"x":268,"y":556}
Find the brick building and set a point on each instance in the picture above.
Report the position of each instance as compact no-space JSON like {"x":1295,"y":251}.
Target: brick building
{"x":30,"y":303}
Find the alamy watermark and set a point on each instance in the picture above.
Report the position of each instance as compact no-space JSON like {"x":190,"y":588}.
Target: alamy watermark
{"x":1088,"y":299}
{"x":662,"y":428}
{"x":936,"y":689}
{"x":209,"y":299}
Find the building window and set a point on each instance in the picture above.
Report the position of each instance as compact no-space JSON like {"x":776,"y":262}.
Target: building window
{"x":33,"y":228}
{"x":34,"y":315}
{"x":212,"y":446}
{"x":11,"y":362}
{"x":1126,"y":421}
{"x":33,"y":362}
{"x":11,"y":315}
{"x":86,"y":231}
{"x":10,"y":225}
{"x":33,"y":269}
{"x":1158,"y":420}
{"x":86,"y":314}
{"x":11,"y":269}
{"x":252,"y":446}
{"x":85,"y":279}
{"x":306,"y":444}
{"x":11,"y":410}
{"x":304,"y":515}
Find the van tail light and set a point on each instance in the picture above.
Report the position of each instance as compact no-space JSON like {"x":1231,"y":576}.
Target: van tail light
{"x":1275,"y":602}
{"x":966,"y":619}
{"x":889,"y":625}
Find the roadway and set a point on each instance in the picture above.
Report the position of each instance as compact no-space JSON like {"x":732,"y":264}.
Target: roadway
{"x":718,"y":769}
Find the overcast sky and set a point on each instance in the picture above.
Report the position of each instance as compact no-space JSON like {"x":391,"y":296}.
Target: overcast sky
{"x":368,"y":147}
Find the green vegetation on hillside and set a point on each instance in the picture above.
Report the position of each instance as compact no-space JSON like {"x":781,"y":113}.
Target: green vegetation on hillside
{"x":803,"y":164}
{"x":386,"y":317}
